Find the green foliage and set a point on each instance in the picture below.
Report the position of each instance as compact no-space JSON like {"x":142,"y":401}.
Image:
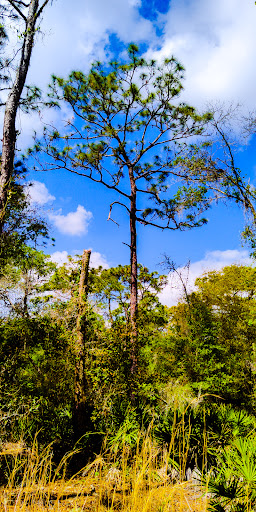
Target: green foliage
{"x":131,"y":133}
{"x":127,"y":436}
{"x":195,"y":360}
{"x":111,"y":288}
{"x":129,"y":125}
{"x":134,"y":128}
{"x":23,"y":225}
{"x":21,"y":284}
{"x":36,"y":377}
{"x":211,"y":337}
{"x":233,"y":483}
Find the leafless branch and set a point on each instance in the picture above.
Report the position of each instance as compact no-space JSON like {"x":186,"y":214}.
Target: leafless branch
{"x":42,"y":8}
{"x":13,"y":4}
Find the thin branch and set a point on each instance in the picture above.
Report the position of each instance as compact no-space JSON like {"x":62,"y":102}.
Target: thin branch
{"x":109,"y":218}
{"x":110,"y":210}
{"x":21,"y":3}
{"x":64,"y":166}
{"x":121,"y":204}
{"x":41,"y":9}
{"x":17,"y":9}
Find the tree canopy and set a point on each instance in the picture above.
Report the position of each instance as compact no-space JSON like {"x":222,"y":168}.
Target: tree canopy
{"x":130,"y":133}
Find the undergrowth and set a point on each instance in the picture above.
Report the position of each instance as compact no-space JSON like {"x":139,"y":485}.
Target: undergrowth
{"x":140,"y":479}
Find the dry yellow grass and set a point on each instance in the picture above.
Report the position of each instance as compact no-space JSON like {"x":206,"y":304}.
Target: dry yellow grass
{"x":129,"y":484}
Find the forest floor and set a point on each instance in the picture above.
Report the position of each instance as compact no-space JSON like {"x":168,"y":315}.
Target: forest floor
{"x":80,"y":497}
{"x":99,"y":495}
{"x":138,"y":484}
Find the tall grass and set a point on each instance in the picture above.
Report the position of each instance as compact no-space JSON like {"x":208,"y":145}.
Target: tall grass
{"x":138,"y":479}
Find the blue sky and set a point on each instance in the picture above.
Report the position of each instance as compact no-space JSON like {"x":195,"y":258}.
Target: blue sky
{"x":216,"y":42}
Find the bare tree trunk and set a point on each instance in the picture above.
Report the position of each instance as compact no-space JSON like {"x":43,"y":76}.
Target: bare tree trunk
{"x":13,"y":100}
{"x":134,"y":278}
{"x":79,"y":417}
{"x":25,"y":298}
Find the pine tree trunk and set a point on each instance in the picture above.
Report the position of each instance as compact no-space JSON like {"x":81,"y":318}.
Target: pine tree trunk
{"x":80,"y":413}
{"x":134,"y":278}
{"x":12,"y":104}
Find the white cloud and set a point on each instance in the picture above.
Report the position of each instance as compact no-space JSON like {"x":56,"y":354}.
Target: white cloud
{"x":38,"y":193}
{"x":59,"y":257}
{"x":214,"y":260}
{"x":34,"y":122}
{"x":71,"y":38}
{"x":216,"y":42}
{"x":74,"y":223}
{"x":96,"y":260}
{"x":74,"y":37}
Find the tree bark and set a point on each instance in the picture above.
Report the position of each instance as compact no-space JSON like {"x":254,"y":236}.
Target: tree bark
{"x":12,"y":104}
{"x":80,"y":414}
{"x":25,"y":298}
{"x":134,"y":277}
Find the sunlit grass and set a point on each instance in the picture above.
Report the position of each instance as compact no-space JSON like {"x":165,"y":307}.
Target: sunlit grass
{"x":138,"y":481}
